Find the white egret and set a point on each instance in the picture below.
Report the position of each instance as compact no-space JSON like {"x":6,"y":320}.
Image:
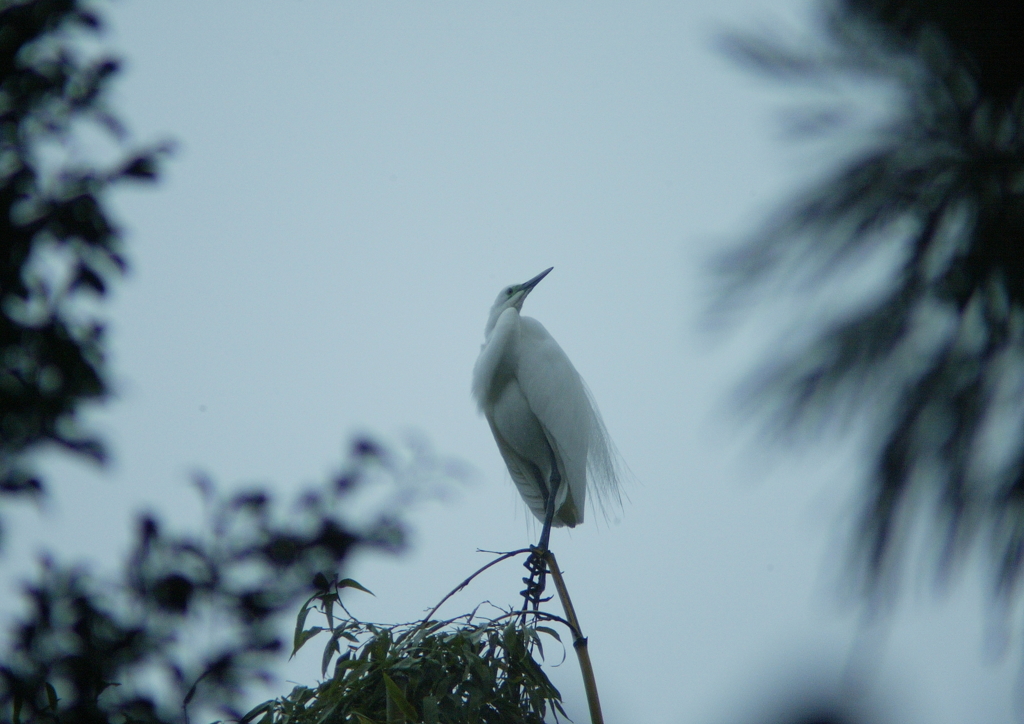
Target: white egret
{"x":542,"y":416}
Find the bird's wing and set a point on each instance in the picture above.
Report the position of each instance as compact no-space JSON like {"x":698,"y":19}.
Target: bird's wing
{"x":558,"y":398}
{"x":519,"y":469}
{"x":567,"y":410}
{"x":605,"y":469}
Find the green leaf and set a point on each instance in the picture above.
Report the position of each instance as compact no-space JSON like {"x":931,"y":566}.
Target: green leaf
{"x":328,"y":602}
{"x":349,"y":583}
{"x":550,"y":632}
{"x":306,"y":636}
{"x":398,"y":697}
{"x":300,"y":622}
{"x":342,"y":663}
{"x":324,"y":717}
{"x":192,"y":691}
{"x":362,"y":719}
{"x":51,"y":696}
{"x":104,"y":685}
{"x":379,"y":647}
{"x":532,"y":633}
{"x":431,"y":713}
{"x":256,"y":711}
{"x":329,"y":650}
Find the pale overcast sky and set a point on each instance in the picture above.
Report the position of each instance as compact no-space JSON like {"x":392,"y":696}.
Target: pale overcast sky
{"x":353,"y":184}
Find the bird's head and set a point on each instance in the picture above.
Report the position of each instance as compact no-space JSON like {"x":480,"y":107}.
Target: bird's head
{"x":513,"y":296}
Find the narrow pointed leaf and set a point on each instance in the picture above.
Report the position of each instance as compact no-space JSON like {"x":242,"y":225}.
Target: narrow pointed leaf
{"x":399,"y":698}
{"x":306,"y":636}
{"x":256,"y":711}
{"x":300,"y":622}
{"x":550,"y":632}
{"x":51,"y":696}
{"x":349,"y":583}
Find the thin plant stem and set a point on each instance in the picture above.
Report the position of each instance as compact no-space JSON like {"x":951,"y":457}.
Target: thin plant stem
{"x":579,"y":641}
{"x":466,"y":582}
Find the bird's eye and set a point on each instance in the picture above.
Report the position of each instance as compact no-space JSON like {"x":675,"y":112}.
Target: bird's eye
{"x":509,"y":291}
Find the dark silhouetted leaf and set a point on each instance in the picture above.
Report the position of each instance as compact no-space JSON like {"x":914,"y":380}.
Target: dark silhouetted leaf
{"x":349,"y":583}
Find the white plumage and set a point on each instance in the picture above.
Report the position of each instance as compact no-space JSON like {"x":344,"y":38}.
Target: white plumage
{"x":542,"y":415}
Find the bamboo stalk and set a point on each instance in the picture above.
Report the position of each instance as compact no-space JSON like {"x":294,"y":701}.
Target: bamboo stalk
{"x":579,"y":641}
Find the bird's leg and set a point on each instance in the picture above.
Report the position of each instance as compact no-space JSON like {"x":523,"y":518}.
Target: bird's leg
{"x":536,"y":563}
{"x":549,"y":517}
{"x":549,"y":514}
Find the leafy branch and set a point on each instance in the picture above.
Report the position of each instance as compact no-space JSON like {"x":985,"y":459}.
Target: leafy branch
{"x":467,"y":668}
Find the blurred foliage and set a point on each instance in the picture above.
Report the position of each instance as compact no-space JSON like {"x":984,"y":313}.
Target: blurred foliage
{"x":195,"y":617}
{"x":465,"y":670}
{"x":58,"y":242}
{"x":936,"y":361}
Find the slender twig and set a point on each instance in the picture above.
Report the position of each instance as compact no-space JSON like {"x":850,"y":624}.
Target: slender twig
{"x":469,"y":580}
{"x":579,"y":641}
{"x":349,"y":613}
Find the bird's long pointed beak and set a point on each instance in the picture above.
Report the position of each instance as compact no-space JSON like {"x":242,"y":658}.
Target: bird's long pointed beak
{"x":527,"y":286}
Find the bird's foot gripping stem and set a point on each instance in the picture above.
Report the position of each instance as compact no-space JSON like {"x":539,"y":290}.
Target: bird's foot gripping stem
{"x":537,"y":565}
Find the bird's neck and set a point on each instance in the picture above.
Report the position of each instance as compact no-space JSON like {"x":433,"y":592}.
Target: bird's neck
{"x":492,"y":319}
{"x":498,"y":357}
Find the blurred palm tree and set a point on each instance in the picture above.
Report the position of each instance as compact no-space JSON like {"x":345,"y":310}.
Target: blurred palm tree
{"x":936,"y":361}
